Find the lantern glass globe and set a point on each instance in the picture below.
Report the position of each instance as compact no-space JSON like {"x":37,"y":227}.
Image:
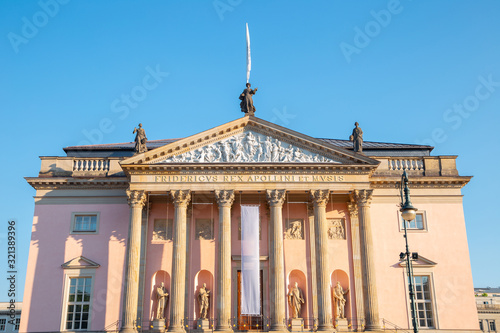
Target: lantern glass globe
{"x":408,"y":214}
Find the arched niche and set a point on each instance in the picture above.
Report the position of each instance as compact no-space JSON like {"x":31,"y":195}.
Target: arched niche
{"x":200,"y":278}
{"x":339,"y":275}
{"x":297,"y":276}
{"x":159,"y":277}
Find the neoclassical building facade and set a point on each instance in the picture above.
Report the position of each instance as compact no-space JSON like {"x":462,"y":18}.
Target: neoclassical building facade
{"x":111,"y":227}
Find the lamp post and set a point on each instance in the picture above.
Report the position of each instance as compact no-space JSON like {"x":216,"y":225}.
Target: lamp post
{"x":408,"y":213}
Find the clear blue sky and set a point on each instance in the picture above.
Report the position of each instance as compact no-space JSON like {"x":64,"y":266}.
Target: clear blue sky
{"x":418,"y":71}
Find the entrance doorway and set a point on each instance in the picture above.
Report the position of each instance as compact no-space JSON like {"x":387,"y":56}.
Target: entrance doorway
{"x":250,"y":322}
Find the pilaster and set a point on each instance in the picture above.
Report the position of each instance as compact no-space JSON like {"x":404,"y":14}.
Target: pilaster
{"x":356,"y":262}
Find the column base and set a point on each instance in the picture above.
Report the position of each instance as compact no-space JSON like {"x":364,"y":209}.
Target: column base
{"x":176,"y":329}
{"x":128,"y":330}
{"x":278,"y":328}
{"x":224,"y":329}
{"x":373,"y":329}
{"x":326,"y":328}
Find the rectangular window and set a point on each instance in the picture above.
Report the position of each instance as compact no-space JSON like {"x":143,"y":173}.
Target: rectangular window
{"x":18,"y":321}
{"x":423,"y":301}
{"x":493,"y":327}
{"x":2,"y":324}
{"x":84,"y":223}
{"x":481,"y":325}
{"x":78,"y":304}
{"x":417,"y":224}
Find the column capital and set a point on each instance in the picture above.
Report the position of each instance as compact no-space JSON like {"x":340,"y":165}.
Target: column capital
{"x":136,"y":198}
{"x":353,"y":209}
{"x":362,"y":197}
{"x":275,"y":198}
{"x":352,"y":206}
{"x":319,"y":197}
{"x":180,"y":197}
{"x":225,"y":198}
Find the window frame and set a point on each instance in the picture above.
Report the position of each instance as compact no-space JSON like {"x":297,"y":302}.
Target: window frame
{"x":421,"y":271}
{"x":492,"y":326}
{"x":4,"y":324}
{"x":71,"y":274}
{"x":424,"y":223}
{"x":425,"y":301}
{"x":82,"y":232}
{"x":18,"y":323}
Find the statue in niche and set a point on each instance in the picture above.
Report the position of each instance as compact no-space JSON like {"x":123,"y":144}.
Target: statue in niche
{"x":140,"y":140}
{"x":357,"y":138}
{"x":338,"y":295}
{"x":204,"y":301}
{"x":162,"y":297}
{"x":295,"y":300}
{"x":246,"y":104}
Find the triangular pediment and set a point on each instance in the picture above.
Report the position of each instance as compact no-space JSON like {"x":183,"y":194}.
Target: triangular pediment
{"x":420,"y":262}
{"x":250,"y":140}
{"x":80,"y":262}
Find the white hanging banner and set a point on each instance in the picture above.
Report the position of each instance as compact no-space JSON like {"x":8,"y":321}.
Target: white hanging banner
{"x":250,"y":266}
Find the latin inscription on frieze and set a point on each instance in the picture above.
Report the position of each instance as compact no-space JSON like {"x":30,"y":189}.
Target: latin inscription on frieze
{"x":256,"y":178}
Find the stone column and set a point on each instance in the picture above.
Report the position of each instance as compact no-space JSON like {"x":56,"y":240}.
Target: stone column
{"x":312,"y":242}
{"x":363,"y":198}
{"x":178,"y":287}
{"x":356,"y":262}
{"x":225,"y":200}
{"x":319,"y":199}
{"x":136,"y":200}
{"x":275,"y":199}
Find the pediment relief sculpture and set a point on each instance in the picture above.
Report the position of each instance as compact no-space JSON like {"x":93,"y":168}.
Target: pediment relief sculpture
{"x":249,"y":147}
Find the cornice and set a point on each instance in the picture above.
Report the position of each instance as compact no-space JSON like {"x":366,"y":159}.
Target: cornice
{"x":206,"y":168}
{"x":56,"y":183}
{"x":421,"y":182}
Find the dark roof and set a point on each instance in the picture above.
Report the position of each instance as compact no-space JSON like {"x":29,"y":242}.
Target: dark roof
{"x":376,"y":145}
{"x":370,"y":145}
{"x":121,"y":146}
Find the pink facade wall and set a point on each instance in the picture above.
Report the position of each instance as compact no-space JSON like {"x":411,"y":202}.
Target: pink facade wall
{"x":444,"y":242}
{"x":52,"y":245}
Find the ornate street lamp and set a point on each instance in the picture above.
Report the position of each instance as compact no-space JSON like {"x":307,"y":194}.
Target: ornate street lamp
{"x":408,"y":213}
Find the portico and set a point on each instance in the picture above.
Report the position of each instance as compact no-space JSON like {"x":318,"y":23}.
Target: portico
{"x":327,"y":217}
{"x":314,"y":174}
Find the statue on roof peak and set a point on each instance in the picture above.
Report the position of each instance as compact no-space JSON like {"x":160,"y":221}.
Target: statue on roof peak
{"x":246,"y":104}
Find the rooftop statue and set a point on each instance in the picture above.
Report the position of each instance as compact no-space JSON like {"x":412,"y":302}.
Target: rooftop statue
{"x":140,"y":140}
{"x":247,"y":100}
{"x":357,"y":138}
